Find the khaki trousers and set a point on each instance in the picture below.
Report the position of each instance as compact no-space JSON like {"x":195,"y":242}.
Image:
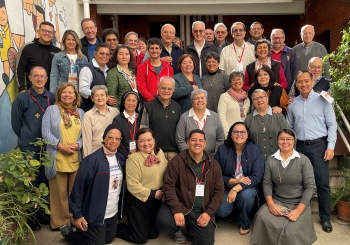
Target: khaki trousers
{"x":170,"y":154}
{"x":60,"y":188}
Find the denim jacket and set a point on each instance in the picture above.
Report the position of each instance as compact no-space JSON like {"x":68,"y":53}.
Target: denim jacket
{"x":60,"y":69}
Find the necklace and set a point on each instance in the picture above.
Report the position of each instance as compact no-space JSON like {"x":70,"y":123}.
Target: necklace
{"x":280,"y":175}
{"x":211,"y":82}
{"x":263,"y":122}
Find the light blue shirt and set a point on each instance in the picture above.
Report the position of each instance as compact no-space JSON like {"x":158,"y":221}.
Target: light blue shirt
{"x":313,"y":118}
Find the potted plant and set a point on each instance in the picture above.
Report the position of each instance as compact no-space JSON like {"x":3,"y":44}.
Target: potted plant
{"x":19,"y":198}
{"x":341,"y":196}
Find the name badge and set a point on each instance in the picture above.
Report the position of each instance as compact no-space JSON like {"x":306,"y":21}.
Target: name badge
{"x":239,"y":66}
{"x":200,"y":189}
{"x":132,"y":145}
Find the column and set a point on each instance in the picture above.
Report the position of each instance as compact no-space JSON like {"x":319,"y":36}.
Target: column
{"x":188,"y":30}
{"x":86,"y":4}
{"x":182,"y":27}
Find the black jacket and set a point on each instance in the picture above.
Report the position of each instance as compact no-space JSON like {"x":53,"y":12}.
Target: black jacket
{"x":34,"y":54}
{"x":85,"y":46}
{"x":208,"y":47}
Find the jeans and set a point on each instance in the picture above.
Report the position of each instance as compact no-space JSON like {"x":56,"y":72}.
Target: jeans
{"x":244,"y":202}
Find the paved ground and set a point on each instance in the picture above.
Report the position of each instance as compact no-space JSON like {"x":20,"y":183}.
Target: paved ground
{"x":227,"y":233}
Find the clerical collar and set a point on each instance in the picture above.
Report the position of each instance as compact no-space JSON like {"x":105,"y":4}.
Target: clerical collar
{"x":307,"y":47}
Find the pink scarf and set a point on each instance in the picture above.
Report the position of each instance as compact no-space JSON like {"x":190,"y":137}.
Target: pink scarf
{"x":239,"y":97}
{"x":151,"y":159}
{"x":108,"y":152}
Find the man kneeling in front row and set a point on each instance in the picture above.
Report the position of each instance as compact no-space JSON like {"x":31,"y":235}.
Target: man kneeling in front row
{"x":193,"y":190}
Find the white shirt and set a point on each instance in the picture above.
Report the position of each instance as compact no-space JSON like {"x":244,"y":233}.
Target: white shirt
{"x":85,"y":79}
{"x":130,"y":118}
{"x":199,"y":51}
{"x":115,"y":184}
{"x":285,"y":163}
{"x":200,"y":123}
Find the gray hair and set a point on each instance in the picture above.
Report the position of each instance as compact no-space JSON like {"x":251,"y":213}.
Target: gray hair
{"x":313,"y":59}
{"x":166,"y":78}
{"x":307,"y":25}
{"x":198,"y":91}
{"x":273,"y":32}
{"x":130,"y":33}
{"x":198,"y":22}
{"x":213,"y":55}
{"x":235,"y":74}
{"x":99,"y":87}
{"x":219,"y":24}
{"x":237,"y":23}
{"x":259,"y":90}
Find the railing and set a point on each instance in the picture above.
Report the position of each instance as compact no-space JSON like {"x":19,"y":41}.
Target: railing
{"x":347,"y":126}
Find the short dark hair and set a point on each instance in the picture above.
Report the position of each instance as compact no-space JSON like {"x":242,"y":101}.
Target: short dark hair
{"x":153,"y":41}
{"x":109,"y":31}
{"x":46,"y":23}
{"x":131,"y":64}
{"x":184,"y":56}
{"x":304,"y":71}
{"x":85,"y":20}
{"x":287,"y":131}
{"x":102,"y":45}
{"x":212,"y":55}
{"x":256,"y":22}
{"x":235,"y":74}
{"x":229,"y":141}
{"x":196,"y":131}
{"x":271,"y":74}
{"x":143,"y":40}
{"x":261,"y":42}
{"x":143,"y":131}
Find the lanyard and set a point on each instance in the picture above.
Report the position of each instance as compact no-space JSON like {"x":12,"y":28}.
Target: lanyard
{"x":33,"y":98}
{"x":234,"y":47}
{"x":200,"y":180}
{"x":132,"y":134}
{"x":205,"y":121}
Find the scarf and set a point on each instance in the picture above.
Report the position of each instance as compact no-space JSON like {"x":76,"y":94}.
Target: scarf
{"x":258,"y":64}
{"x":66,"y":113}
{"x":131,"y":79}
{"x":151,"y":159}
{"x":108,"y":152}
{"x":239,"y":97}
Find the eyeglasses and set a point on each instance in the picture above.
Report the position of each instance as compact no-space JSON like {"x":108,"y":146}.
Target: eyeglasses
{"x":259,"y":98}
{"x":112,"y":39}
{"x":199,"y":98}
{"x":104,"y":54}
{"x":315,"y":67}
{"x":285,"y":139}
{"x":257,"y":29}
{"x":220,"y":32}
{"x":211,"y":62}
{"x":47,"y":32}
{"x":198,"y":31}
{"x":100,"y":96}
{"x":165,"y":88}
{"x":169,"y":32}
{"x":238,"y":30}
{"x":39,"y":76}
{"x":132,"y":41}
{"x":277,"y":38}
{"x":243,"y":132}
{"x":145,"y":141}
{"x":110,"y":138}
{"x":89,"y":28}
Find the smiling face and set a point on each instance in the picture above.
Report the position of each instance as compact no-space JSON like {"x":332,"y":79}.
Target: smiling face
{"x":263,"y":78}
{"x":304,"y":83}
{"x":256,"y":32}
{"x":146,"y":142}
{"x":46,"y":33}
{"x":262,"y":51}
{"x":70,"y":43}
{"x":198,"y":32}
{"x":38,"y":78}
{"x":68,"y":96}
{"x":199,"y":101}
{"x":212,"y":65}
{"x":220,"y":34}
{"x":260,"y":101}
{"x":196,"y":144}
{"x":285,"y":142}
{"x":315,"y":68}
{"x":277,"y":40}
{"x":102,"y":56}
{"x":112,"y":140}
{"x":238,"y":32}
{"x":237,"y":84}
{"x":89,"y":29}
{"x":112,"y":41}
{"x":130,"y":103}
{"x":209,"y":35}
{"x":166,"y":89}
{"x":307,"y":35}
{"x":168,"y":34}
{"x":239,"y":135}
{"x":154,"y":51}
{"x":132,"y":41}
{"x":99,"y":98}
{"x":142,"y":46}
{"x":187,"y":65}
{"x":123,"y":56}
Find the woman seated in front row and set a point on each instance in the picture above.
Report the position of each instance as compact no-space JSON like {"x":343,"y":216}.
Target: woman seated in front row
{"x":242,"y":165}
{"x":288,"y":185}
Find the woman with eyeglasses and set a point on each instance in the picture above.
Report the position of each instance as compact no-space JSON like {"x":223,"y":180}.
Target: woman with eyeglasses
{"x":186,"y":82}
{"x":199,"y":117}
{"x":96,"y":120}
{"x":121,"y":78}
{"x":262,"y":51}
{"x":216,"y":82}
{"x":128,"y":121}
{"x":264,"y":79}
{"x":144,"y":177}
{"x":242,"y":165}
{"x":264,"y":124}
{"x":66,"y":65}
{"x":132,"y":40}
{"x":111,"y":38}
{"x":94,"y":73}
{"x":288,"y":185}
{"x":142,"y":43}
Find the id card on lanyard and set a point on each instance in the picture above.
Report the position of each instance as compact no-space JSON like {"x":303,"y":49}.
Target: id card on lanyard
{"x":132,"y":142}
{"x":239,"y":58}
{"x":200,"y":184}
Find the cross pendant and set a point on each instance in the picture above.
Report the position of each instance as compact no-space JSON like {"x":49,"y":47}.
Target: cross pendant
{"x":264,"y":129}
{"x":280,"y":179}
{"x":37,"y":115}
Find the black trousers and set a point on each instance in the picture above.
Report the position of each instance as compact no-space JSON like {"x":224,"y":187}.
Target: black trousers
{"x":315,"y":153}
{"x":95,"y":235}
{"x":201,"y":235}
{"x":141,"y":220}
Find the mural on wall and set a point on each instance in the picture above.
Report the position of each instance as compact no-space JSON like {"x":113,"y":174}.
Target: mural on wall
{"x":19,"y":22}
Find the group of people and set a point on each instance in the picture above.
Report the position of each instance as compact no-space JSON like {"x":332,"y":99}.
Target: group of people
{"x":170,"y":138}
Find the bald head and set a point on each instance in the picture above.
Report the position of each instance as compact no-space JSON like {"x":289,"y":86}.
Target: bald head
{"x":167,"y":33}
{"x":315,"y":66}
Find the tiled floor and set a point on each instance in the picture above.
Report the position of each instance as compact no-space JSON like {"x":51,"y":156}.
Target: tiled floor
{"x":227,"y":233}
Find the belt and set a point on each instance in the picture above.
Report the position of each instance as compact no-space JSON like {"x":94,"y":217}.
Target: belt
{"x":312,"y":142}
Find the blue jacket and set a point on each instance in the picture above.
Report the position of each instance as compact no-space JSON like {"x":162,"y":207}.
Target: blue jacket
{"x":252,"y":166}
{"x":289,"y":64}
{"x":89,"y":195}
{"x":176,"y":53}
{"x":60,"y":69}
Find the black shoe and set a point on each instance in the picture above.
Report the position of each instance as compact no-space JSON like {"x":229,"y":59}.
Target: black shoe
{"x":65,"y":230}
{"x":34,"y":224}
{"x":326,"y":226}
{"x":45,"y":220}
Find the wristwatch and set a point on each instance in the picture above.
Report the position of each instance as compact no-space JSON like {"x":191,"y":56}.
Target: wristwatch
{"x":234,"y":189}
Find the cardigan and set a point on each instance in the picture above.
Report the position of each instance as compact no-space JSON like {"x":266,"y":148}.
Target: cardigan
{"x":214,"y":132}
{"x":51,"y":132}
